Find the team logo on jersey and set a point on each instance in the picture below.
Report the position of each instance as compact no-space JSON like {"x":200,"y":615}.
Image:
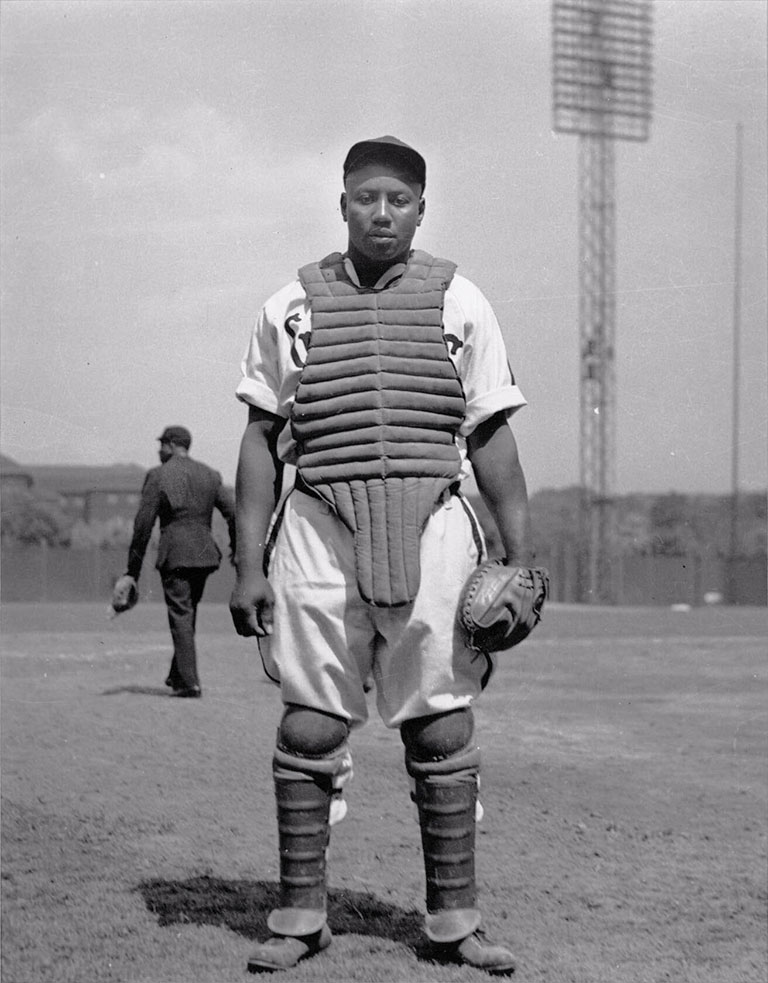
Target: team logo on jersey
{"x":453,"y":343}
{"x":299,"y":340}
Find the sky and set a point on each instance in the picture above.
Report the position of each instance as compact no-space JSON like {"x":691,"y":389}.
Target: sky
{"x":167,"y":166}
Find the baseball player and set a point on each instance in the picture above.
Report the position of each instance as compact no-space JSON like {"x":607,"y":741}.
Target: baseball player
{"x":381,"y":375}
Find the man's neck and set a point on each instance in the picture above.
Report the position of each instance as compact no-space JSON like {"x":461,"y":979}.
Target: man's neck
{"x":369,"y":273}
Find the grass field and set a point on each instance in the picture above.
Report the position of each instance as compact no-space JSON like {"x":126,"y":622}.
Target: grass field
{"x":624,"y":783}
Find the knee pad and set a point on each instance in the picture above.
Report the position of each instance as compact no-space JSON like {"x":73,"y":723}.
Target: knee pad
{"x":313,"y":742}
{"x":441,"y":744}
{"x":310,"y":733}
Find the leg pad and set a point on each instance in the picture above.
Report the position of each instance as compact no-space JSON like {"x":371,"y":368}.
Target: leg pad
{"x":447,"y":818}
{"x":303,"y":805}
{"x":443,"y":744}
{"x":313,"y":744}
{"x":451,"y":925}
{"x":295,"y":922}
{"x":309,"y":733}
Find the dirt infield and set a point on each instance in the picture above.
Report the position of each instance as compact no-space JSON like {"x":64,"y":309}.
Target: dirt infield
{"x":624,"y":783}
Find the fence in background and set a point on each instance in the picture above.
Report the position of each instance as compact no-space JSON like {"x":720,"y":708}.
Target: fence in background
{"x":40,"y":574}
{"x":665,"y":580}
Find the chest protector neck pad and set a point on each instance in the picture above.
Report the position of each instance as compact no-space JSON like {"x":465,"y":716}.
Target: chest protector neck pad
{"x":376,"y":412}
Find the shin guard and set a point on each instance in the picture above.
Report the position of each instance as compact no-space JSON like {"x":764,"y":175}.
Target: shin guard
{"x":443,"y":761}
{"x":303,"y":804}
{"x":446,"y":805}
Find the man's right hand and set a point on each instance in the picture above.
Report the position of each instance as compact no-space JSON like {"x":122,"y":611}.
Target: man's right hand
{"x":251,"y":606}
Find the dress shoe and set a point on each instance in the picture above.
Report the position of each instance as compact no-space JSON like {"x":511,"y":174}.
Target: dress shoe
{"x":478,"y":951}
{"x":284,"y":951}
{"x":188,"y":693}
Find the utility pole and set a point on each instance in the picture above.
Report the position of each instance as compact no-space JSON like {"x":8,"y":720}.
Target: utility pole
{"x":602,"y":92}
{"x":734,"y":531}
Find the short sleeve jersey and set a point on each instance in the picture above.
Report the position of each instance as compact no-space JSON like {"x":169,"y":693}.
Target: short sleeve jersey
{"x":277,"y":350}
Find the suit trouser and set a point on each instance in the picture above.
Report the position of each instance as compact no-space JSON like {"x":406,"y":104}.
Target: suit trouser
{"x":183,"y":589}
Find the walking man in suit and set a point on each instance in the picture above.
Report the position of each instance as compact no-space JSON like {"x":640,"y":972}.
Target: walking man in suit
{"x":182,"y":493}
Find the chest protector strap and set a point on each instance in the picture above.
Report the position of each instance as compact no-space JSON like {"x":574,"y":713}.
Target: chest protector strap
{"x":376,"y":413}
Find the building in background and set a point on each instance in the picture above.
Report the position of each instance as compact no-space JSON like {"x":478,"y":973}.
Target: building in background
{"x":13,"y":477}
{"x":92,"y":494}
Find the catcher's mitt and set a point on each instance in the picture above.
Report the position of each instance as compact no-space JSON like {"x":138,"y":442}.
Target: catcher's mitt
{"x":125,"y":595}
{"x":500,"y":605}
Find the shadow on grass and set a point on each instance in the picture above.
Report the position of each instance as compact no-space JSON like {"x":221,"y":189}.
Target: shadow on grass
{"x":243,"y":906}
{"x":138,"y":691}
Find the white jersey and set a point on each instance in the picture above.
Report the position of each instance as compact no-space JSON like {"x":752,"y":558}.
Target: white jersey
{"x":277,"y":350}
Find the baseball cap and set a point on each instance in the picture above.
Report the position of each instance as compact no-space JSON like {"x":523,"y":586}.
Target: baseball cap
{"x":386,"y":148}
{"x":176,"y":435}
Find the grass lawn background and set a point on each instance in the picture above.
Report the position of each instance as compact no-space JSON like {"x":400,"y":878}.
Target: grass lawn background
{"x":624,"y":783}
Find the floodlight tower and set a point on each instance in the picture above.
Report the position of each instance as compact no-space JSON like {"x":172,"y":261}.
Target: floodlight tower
{"x":602,"y":92}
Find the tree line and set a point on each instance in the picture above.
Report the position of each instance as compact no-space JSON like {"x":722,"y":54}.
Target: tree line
{"x":670,"y":524}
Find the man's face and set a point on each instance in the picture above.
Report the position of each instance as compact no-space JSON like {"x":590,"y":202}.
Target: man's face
{"x":382,"y":207}
{"x":165,"y":451}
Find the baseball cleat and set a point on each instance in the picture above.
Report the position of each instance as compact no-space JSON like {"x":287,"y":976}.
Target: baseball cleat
{"x":478,"y":951}
{"x":284,"y":952}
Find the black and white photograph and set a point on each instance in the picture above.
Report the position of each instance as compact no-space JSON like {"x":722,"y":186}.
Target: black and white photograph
{"x":384,"y":479}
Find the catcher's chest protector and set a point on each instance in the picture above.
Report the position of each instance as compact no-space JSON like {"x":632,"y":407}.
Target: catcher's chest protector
{"x":376,"y":412}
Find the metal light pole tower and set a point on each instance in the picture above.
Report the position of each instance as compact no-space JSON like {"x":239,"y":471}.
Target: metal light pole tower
{"x":602,"y":92}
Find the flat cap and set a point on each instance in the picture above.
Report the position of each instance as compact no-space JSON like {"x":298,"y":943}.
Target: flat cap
{"x":176,"y":435}
{"x":389,"y":149}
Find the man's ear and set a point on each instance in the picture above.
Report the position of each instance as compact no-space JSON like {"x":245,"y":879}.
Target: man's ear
{"x":343,"y":205}
{"x":422,"y":207}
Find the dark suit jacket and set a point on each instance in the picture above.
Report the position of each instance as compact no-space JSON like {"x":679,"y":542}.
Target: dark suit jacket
{"x":182,"y":493}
